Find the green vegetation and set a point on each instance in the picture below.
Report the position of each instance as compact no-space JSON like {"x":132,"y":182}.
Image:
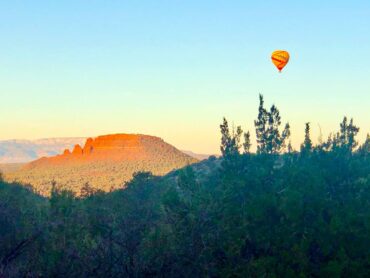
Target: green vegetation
{"x":276,"y":213}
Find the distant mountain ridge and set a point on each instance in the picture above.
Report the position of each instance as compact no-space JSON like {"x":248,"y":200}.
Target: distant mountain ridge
{"x":199,"y":156}
{"x":105,"y":162}
{"x":20,"y":151}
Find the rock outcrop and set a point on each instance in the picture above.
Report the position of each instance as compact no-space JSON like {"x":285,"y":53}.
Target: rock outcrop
{"x":77,"y":150}
{"x":105,"y":162}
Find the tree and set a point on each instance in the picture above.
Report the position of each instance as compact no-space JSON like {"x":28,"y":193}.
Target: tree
{"x":21,"y":227}
{"x":290,"y":147}
{"x":247,"y":142}
{"x":306,"y":147}
{"x":87,"y":190}
{"x":345,"y":139}
{"x":269,"y":138}
{"x":187,"y":180}
{"x":225,"y":137}
{"x":352,"y":131}
{"x":236,"y":140}
{"x":230,"y":142}
{"x":260,"y":125}
{"x":365,"y":147}
{"x":285,"y":135}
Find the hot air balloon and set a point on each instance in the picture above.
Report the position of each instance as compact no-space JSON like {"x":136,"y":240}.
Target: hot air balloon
{"x":280,"y":58}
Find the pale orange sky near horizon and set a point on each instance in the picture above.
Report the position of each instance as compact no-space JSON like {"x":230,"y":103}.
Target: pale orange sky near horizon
{"x":201,"y":139}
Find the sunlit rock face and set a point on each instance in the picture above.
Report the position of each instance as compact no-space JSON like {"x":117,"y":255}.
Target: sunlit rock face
{"x":114,"y":147}
{"x":105,"y":162}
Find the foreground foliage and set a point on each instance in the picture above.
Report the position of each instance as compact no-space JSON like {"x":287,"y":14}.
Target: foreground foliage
{"x":256,"y":216}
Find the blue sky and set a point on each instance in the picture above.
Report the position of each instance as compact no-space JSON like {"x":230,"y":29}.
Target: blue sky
{"x":175,"y":68}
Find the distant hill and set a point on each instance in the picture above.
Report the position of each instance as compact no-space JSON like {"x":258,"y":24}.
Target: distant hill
{"x":105,"y":162}
{"x":198,"y":155}
{"x":20,"y":151}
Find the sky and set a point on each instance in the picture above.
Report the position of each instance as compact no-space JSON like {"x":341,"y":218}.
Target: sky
{"x":174,"y":69}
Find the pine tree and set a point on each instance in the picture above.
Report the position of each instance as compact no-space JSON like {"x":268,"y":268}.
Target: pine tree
{"x":225,"y":137}
{"x":273,"y":133}
{"x":285,"y":135}
{"x":230,"y":143}
{"x":352,"y":131}
{"x":343,"y":131}
{"x":346,"y":137}
{"x":87,"y":190}
{"x":260,"y":125}
{"x":290,"y":148}
{"x":269,"y":139}
{"x":365,"y":147}
{"x":236,"y":140}
{"x":247,"y":142}
{"x":306,"y":147}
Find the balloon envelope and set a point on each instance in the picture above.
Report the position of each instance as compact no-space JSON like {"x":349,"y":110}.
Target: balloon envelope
{"x":280,"y":58}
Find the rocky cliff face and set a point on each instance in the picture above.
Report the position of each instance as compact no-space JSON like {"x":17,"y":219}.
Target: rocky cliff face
{"x":116,"y":147}
{"x":105,"y":162}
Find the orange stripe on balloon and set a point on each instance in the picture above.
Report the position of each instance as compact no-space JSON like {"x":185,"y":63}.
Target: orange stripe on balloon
{"x":277,"y":60}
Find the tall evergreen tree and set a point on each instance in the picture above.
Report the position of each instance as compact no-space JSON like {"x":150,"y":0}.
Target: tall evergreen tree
{"x":269,"y":139}
{"x":247,"y":142}
{"x":236,"y":139}
{"x":352,"y":132}
{"x":225,"y":137}
{"x":345,"y":139}
{"x":260,"y":125}
{"x":273,"y":133}
{"x":365,"y":147}
{"x":306,"y":147}
{"x":290,"y":147}
{"x":285,"y":135}
{"x":230,"y":142}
